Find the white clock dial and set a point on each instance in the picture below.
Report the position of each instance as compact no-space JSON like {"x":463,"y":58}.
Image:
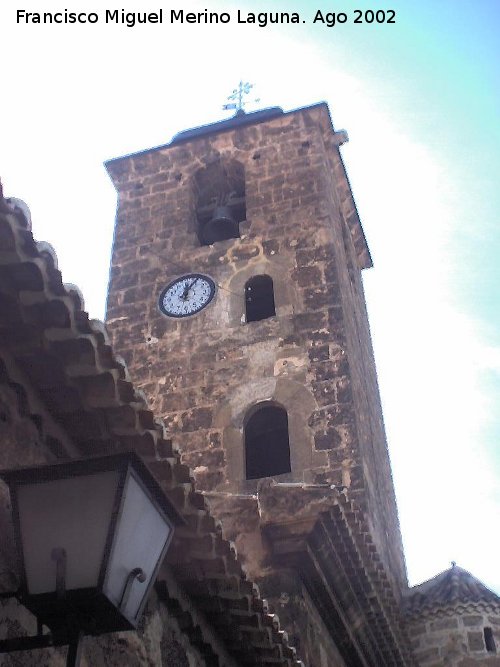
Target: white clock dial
{"x":187,"y":295}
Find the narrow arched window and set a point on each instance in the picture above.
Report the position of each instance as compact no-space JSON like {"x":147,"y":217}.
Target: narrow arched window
{"x":259,"y":298}
{"x":267,"y":449}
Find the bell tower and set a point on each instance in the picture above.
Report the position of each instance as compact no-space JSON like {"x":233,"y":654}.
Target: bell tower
{"x":236,"y":299}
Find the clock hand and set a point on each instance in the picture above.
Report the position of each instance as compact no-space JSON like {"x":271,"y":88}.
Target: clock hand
{"x":194,"y":281}
{"x":187,"y":288}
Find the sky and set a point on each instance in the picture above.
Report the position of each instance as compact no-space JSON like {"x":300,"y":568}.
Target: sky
{"x":419,"y":99}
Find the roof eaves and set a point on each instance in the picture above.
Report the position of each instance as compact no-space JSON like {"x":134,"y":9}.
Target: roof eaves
{"x":107,"y":413}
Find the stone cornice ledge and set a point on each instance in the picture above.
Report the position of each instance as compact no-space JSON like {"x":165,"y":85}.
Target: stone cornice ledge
{"x":320,"y":532}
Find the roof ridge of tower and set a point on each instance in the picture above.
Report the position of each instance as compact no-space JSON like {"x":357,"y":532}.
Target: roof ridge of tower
{"x":236,"y":121}
{"x":452,"y":586}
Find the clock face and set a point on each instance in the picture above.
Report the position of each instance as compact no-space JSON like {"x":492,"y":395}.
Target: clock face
{"x":187,"y":295}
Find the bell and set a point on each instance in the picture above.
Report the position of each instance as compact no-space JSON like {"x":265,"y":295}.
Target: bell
{"x":222,"y":226}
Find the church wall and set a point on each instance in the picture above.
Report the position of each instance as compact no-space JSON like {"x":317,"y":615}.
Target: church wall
{"x":282,"y":587}
{"x":456,"y":639}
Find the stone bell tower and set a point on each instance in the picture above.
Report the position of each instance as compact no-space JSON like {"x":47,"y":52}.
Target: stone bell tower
{"x":236,"y":299}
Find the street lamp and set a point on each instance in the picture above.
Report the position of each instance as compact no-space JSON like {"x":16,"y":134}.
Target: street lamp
{"x":91,"y":536}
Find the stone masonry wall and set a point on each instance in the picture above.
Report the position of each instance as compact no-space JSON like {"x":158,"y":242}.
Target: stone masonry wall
{"x":204,"y":373}
{"x":157,"y":642}
{"x":282,"y":587}
{"x":455,"y":639}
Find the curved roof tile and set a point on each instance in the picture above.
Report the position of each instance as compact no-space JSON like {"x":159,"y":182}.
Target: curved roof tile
{"x":453,"y":587}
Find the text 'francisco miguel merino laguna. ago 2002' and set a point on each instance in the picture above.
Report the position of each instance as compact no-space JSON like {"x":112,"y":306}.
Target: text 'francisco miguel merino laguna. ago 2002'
{"x":181,"y":16}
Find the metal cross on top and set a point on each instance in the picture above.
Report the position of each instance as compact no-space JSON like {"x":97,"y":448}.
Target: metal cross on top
{"x":236,"y":100}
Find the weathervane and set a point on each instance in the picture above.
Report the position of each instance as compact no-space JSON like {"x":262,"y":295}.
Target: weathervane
{"x":236,"y":100}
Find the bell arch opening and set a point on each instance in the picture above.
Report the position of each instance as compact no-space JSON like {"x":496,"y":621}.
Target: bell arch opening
{"x":267,"y":446}
{"x":220,"y":201}
{"x":259,"y":298}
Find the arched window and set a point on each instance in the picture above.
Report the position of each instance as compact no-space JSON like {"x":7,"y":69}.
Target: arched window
{"x":267,"y":449}
{"x":259,"y":298}
{"x":219,"y":192}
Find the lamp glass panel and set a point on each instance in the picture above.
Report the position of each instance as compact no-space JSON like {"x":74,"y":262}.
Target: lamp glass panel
{"x":140,"y":537}
{"x":72,"y":513}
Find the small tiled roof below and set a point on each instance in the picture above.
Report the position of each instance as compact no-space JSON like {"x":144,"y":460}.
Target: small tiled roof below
{"x":453,"y":588}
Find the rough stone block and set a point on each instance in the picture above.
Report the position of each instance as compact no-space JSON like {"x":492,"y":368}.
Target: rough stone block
{"x":444,"y":624}
{"x":476,"y":641}
{"x":319,"y":353}
{"x":416,"y":629}
{"x":327,"y":439}
{"x":472,"y":620}
{"x":197,"y":418}
{"x":307,"y":276}
{"x":427,"y":655}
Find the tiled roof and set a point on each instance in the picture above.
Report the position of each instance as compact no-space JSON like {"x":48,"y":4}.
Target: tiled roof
{"x":451,"y":588}
{"x":50,"y":345}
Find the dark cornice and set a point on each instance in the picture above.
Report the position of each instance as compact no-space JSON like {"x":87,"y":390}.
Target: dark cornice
{"x":324,"y":535}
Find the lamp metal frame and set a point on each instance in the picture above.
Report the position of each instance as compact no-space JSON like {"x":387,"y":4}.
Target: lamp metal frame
{"x":74,"y":613}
